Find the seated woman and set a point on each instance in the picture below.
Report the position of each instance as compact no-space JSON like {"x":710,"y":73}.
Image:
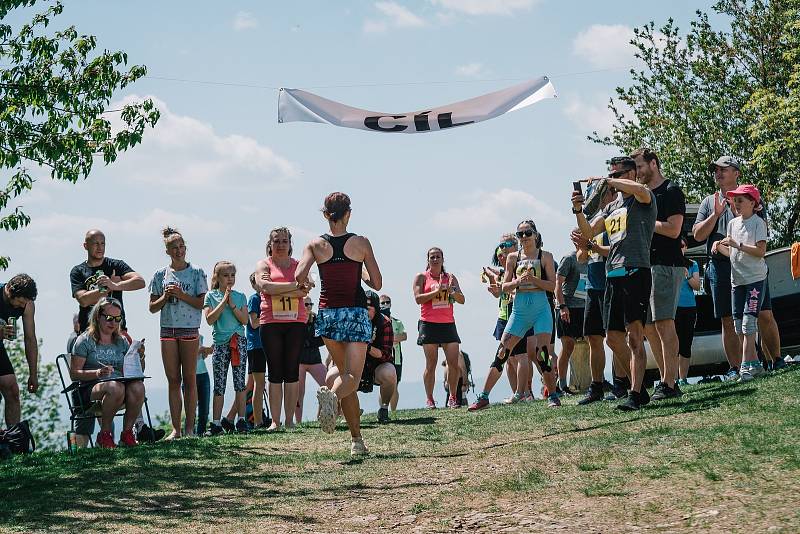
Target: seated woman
{"x":379,"y":367}
{"x":97,"y":358}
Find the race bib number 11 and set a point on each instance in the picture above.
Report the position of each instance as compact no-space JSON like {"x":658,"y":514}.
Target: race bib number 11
{"x":285,"y":308}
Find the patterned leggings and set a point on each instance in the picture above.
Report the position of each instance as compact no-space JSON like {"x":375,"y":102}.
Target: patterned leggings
{"x":221,"y":359}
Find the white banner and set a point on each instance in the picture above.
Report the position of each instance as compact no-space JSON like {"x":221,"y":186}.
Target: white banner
{"x":298,"y":105}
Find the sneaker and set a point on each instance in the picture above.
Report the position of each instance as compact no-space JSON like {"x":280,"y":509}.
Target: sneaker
{"x":326,"y":414}
{"x":644,"y":397}
{"x":383,"y":415}
{"x":594,"y":394}
{"x":553,"y":401}
{"x":749,"y":372}
{"x":677,"y":388}
{"x":663,"y":392}
{"x":513,"y":399}
{"x":430,"y":404}
{"x":682,"y":382}
{"x":566,"y":391}
{"x":778,"y":364}
{"x":226,"y":425}
{"x":146,"y":434}
{"x":358,"y":449}
{"x":632,"y":403}
{"x":479,"y":404}
{"x":731,"y":375}
{"x":452,"y":402}
{"x":241,"y":426}
{"x":105,"y":440}
{"x":528,"y":397}
{"x":214,"y":430}
{"x":127,"y":439}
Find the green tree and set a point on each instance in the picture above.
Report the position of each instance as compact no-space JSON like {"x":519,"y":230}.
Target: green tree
{"x":690,"y":101}
{"x":41,"y":409}
{"x":55,"y":91}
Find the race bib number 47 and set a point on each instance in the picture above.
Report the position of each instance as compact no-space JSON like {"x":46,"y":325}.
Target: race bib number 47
{"x":442,"y":299}
{"x":617,"y":225}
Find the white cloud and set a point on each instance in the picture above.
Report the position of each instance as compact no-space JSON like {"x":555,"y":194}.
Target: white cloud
{"x":589,"y":117}
{"x":244,"y":21}
{"x":186,"y":152}
{"x":485,"y":7}
{"x":471,"y":70}
{"x":605,"y":46}
{"x":496,"y":209}
{"x":399,"y":16}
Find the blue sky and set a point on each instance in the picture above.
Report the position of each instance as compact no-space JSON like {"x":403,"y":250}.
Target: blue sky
{"x":220,"y":168}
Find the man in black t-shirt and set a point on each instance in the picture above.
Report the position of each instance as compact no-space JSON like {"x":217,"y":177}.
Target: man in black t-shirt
{"x":99,"y":276}
{"x":667,"y":265}
{"x":16,"y":300}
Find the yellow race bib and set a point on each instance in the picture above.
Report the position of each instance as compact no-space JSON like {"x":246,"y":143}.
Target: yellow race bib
{"x":441,"y":300}
{"x":617,"y":225}
{"x":285,"y":308}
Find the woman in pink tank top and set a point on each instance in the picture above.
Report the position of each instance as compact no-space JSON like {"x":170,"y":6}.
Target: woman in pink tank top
{"x":435,"y":291}
{"x":282,"y":329}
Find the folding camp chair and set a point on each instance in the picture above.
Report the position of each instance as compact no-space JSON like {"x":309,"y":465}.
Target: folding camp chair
{"x":77,"y":406}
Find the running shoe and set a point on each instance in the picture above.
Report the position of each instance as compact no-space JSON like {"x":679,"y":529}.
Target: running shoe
{"x":326,"y":414}
{"x":479,"y":404}
{"x":147,"y":434}
{"x":732,"y":375}
{"x":105,"y":440}
{"x":226,"y":425}
{"x":453,"y":402}
{"x":358,"y":449}
{"x":383,"y":415}
{"x":553,"y":401}
{"x":632,"y":403}
{"x":566,"y":391}
{"x":528,"y":397}
{"x":644,"y":397}
{"x":127,"y":439}
{"x":778,"y":364}
{"x":663,"y":392}
{"x":682,"y":382}
{"x":241,"y":426}
{"x":214,"y":430}
{"x":513,"y":399}
{"x":749,"y":372}
{"x":430,"y":404}
{"x":594,"y":394}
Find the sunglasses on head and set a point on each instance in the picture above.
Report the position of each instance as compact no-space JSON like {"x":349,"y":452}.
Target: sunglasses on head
{"x":110,"y":318}
{"x":525,"y":233}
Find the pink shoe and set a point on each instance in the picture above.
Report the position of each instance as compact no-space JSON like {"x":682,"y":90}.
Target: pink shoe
{"x":105,"y":440}
{"x":430,"y":404}
{"x":452,"y":402}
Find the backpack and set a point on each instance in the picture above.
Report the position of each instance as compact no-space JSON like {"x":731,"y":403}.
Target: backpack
{"x":18,"y":438}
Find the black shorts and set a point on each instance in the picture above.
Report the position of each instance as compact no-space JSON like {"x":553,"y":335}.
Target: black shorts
{"x":437,"y":333}
{"x":5,"y":362}
{"x":627,"y":299}
{"x":593,"y":313}
{"x":310,"y":356}
{"x":574,"y":328}
{"x":399,"y":370}
{"x":256,"y":361}
{"x":684,"y":327}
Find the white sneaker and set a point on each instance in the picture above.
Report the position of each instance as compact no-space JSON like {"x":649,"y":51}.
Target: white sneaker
{"x":357,"y":448}
{"x":749,"y":372}
{"x":513,"y":399}
{"x":326,"y":414}
{"x":797,"y":358}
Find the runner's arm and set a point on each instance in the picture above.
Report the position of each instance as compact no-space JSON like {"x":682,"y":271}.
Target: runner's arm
{"x":509,"y":284}
{"x":374,"y":278}
{"x":456,"y":292}
{"x":549,"y":284}
{"x":31,"y":345}
{"x":303,"y":267}
{"x":639,"y":191}
{"x":419,"y":290}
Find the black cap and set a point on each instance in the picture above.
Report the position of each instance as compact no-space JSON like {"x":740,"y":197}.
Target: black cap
{"x":624,"y":162}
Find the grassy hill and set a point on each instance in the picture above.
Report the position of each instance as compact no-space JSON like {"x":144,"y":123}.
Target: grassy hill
{"x":726,"y":457}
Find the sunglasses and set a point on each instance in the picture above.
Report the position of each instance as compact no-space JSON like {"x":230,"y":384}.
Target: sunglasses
{"x":309,"y":304}
{"x":617,"y":174}
{"x":112,"y":318}
{"x":525,"y":233}
{"x":506,"y":244}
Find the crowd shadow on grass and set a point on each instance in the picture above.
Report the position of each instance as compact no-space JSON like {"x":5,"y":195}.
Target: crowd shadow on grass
{"x":149,"y":487}
{"x":414,"y":421}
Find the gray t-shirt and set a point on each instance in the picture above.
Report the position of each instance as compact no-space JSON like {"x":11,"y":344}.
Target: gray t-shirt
{"x":706,"y":210}
{"x":630,"y":225}
{"x":98,"y":355}
{"x":180,"y":314}
{"x":574,"y":286}
{"x":746,"y":268}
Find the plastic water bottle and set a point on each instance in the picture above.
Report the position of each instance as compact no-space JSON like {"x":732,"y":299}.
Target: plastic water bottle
{"x":72,"y":442}
{"x":101,"y":289}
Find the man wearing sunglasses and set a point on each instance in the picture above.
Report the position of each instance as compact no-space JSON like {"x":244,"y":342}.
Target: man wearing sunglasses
{"x":400,"y":335}
{"x":629,"y":221}
{"x":711,"y":225}
{"x":667,"y":266}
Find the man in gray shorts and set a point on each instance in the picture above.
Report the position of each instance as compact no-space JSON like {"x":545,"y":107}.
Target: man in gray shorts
{"x":667,"y":266}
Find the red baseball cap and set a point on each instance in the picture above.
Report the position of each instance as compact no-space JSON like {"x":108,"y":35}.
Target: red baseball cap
{"x":746,"y":189}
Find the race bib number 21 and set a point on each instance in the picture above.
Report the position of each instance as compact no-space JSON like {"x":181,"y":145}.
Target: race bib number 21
{"x":617,"y":225}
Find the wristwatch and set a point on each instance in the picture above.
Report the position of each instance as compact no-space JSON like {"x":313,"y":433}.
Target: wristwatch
{"x":559,"y":306}
{"x":576,"y":211}
{"x":590,"y":245}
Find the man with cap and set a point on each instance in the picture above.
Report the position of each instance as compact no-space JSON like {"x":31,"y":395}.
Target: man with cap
{"x":711,"y":225}
{"x":400,"y":335}
{"x":629,"y":221}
